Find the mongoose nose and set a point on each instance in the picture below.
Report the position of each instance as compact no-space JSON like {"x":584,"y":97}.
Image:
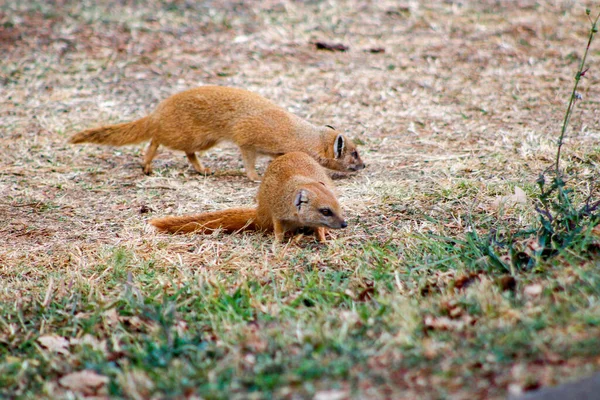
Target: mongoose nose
{"x":344,"y":224}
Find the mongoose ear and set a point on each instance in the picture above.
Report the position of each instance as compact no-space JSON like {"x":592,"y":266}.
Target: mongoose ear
{"x":330,"y":127}
{"x":338,"y":146}
{"x":301,"y":198}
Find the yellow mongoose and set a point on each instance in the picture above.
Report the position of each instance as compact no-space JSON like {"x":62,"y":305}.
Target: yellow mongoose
{"x":197,"y":119}
{"x":295,"y":193}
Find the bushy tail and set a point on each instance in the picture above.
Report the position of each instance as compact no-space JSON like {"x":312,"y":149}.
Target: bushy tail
{"x":116,"y":135}
{"x":234,"y":219}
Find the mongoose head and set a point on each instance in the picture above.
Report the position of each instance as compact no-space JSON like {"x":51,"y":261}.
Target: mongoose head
{"x":343,"y":153}
{"x":317,"y":206}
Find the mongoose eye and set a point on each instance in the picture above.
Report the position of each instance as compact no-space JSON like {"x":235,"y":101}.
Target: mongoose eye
{"x":355,"y":154}
{"x":326,"y":212}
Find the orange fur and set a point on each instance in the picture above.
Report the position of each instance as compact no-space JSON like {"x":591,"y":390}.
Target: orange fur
{"x":197,"y":119}
{"x":116,"y":135}
{"x":232,"y":220}
{"x":294,"y":193}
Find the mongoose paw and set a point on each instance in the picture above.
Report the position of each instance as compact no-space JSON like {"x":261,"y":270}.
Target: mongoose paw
{"x":338,"y":175}
{"x":147,"y":170}
{"x":253,"y":177}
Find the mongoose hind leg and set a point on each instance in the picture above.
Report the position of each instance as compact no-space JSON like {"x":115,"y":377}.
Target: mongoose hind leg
{"x":197,"y":164}
{"x":149,"y":156}
{"x":249,"y":159}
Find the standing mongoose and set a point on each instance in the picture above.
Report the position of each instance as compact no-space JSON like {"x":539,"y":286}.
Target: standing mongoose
{"x":197,"y":119}
{"x":295,"y":193}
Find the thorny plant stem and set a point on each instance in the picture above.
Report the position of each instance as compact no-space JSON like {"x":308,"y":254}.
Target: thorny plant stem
{"x":578,"y":76}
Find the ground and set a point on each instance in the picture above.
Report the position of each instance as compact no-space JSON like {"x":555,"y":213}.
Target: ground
{"x":454,"y":104}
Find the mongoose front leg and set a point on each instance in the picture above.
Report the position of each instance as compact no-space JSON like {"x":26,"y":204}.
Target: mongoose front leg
{"x":197,"y":164}
{"x":335,"y":175}
{"x":279,"y":230}
{"x":249,"y":159}
{"x":149,"y":156}
{"x":320,"y":233}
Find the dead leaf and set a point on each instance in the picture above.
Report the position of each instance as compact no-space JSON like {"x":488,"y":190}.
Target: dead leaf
{"x":253,"y":340}
{"x":331,"y":395}
{"x":447,"y":323}
{"x":91,"y":341}
{"x":452,"y":309}
{"x":12,"y":359}
{"x":112,"y":316}
{"x":533,"y":290}
{"x":137,"y":384}
{"x":144,"y":209}
{"x":87,"y":381}
{"x":331,"y":46}
{"x":533,"y":246}
{"x":464,"y":281}
{"x":349,"y":317}
{"x":57,"y":344}
{"x":181,"y":327}
{"x":507,"y":282}
{"x":134,"y":322}
{"x":443,"y":323}
{"x":431,"y":348}
{"x":367,"y":294}
{"x":519,"y":197}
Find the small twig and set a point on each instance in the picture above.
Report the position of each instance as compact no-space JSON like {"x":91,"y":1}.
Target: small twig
{"x":22,"y":205}
{"x":157,"y":187}
{"x":49,"y":293}
{"x":574,"y":95}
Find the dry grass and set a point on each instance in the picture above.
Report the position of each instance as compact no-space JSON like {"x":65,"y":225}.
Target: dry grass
{"x":464,"y":104}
